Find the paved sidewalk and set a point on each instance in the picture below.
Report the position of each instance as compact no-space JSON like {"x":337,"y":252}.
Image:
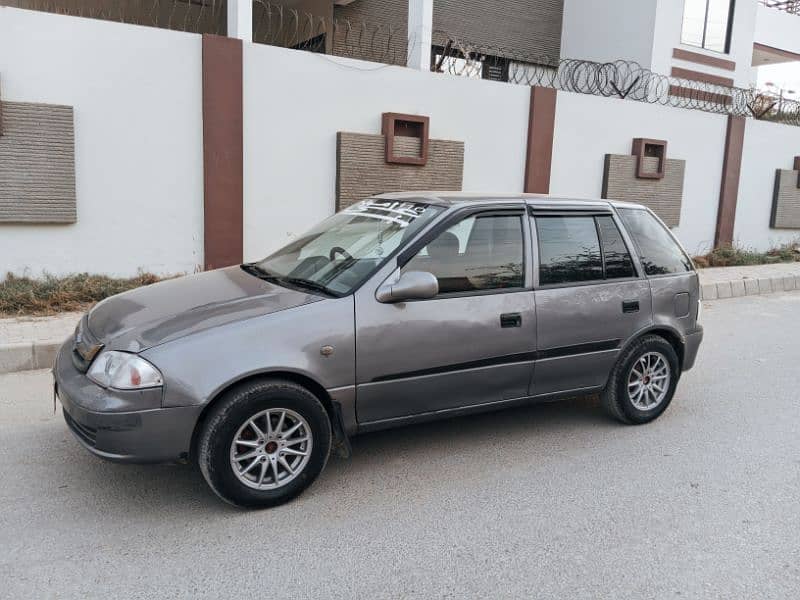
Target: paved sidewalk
{"x":31,"y":342}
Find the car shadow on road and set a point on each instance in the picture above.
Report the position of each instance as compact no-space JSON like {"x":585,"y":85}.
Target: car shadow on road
{"x":175,"y":489}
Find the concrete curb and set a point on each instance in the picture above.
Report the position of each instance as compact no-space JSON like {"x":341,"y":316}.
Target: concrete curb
{"x":27,"y":356}
{"x":736,"y":288}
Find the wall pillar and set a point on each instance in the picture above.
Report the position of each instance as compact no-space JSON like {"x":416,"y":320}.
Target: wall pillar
{"x":729,"y":189}
{"x":541,"y":128}
{"x":223,"y":158}
{"x":240,"y":19}
{"x":420,"y":33}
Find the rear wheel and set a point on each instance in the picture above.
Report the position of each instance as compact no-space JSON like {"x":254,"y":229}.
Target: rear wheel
{"x":264,"y":443}
{"x":643,"y":381}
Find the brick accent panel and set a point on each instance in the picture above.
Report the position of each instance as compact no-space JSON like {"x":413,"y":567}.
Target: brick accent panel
{"x":729,"y":187}
{"x":362,"y":171}
{"x":663,"y":196}
{"x":786,"y":200}
{"x":37,"y":164}
{"x":541,"y":129}
{"x":223,"y":157}
{"x":525,"y":27}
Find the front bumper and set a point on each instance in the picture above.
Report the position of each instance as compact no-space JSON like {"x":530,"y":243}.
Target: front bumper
{"x":691,"y":346}
{"x":105,"y":422}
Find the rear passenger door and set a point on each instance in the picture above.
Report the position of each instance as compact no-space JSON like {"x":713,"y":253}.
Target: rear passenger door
{"x":590,"y":298}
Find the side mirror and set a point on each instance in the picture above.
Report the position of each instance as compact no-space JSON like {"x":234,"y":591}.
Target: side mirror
{"x":412,"y":285}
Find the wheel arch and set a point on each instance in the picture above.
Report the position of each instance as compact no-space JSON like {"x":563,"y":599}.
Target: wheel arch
{"x":670,"y":334}
{"x":299,"y":378}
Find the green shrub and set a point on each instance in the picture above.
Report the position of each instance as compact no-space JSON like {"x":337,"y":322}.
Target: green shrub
{"x":738,"y":256}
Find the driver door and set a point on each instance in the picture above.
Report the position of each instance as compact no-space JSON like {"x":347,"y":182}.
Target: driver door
{"x":472,"y":344}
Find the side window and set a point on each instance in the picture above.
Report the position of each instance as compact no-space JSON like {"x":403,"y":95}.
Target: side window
{"x":659,"y":253}
{"x":476,"y":254}
{"x":616,"y":258}
{"x":569,"y":250}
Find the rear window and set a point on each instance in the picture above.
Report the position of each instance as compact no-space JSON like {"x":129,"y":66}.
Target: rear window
{"x":660,"y":254}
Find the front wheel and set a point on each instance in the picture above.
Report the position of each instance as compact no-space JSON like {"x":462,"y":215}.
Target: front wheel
{"x":264,"y":443}
{"x":643,"y":381}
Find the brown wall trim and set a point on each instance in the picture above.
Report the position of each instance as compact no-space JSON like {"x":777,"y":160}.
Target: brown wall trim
{"x":222,"y":151}
{"x":729,"y":189}
{"x":541,"y":128}
{"x":704,"y":77}
{"x":702,"y":59}
{"x":700,"y":95}
{"x":778,"y":51}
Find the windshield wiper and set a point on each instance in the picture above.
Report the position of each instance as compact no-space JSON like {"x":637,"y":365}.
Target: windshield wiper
{"x":256,"y":271}
{"x":308,"y":284}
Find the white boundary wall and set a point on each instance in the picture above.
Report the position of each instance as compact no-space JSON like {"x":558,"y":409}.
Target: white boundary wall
{"x":589,"y":127}
{"x":137,"y":95}
{"x":767,"y":147}
{"x":295,"y":102}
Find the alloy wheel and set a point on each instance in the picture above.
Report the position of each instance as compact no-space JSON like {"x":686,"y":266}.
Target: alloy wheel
{"x":648,"y":381}
{"x":271,"y":449}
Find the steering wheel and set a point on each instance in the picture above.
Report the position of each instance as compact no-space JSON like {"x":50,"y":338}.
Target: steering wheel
{"x":338,"y":250}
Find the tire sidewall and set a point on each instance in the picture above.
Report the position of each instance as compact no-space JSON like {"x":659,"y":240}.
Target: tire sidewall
{"x":631,"y":412}
{"x":238,"y":410}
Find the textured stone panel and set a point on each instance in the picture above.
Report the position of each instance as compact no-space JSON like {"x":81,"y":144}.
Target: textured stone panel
{"x":786,"y":201}
{"x":37,"y":164}
{"x":361,"y":169}
{"x":663,"y":196}
{"x":513,"y":28}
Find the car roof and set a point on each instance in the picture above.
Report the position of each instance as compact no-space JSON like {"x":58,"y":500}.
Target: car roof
{"x":441,"y":198}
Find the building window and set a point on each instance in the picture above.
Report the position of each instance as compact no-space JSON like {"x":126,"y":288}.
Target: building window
{"x":707,"y":24}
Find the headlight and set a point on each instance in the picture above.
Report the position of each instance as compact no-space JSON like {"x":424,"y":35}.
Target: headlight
{"x":124,"y":371}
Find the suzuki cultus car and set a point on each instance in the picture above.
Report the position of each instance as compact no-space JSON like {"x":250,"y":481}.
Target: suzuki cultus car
{"x":399,"y":309}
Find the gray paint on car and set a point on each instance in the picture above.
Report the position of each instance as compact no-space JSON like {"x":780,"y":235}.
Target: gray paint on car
{"x":384,"y":364}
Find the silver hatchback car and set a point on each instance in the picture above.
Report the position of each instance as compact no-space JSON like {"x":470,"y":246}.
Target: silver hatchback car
{"x":399,"y":309}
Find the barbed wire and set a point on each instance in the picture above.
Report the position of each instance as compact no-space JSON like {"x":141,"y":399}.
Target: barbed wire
{"x":789,"y":6}
{"x":626,"y":80}
{"x":279,"y":25}
{"x":194,"y":16}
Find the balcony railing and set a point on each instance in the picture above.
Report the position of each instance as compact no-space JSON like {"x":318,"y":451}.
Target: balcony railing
{"x":790,"y":6}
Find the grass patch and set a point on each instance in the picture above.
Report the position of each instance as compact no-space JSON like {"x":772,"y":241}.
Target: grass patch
{"x":23,"y":296}
{"x":739,"y":256}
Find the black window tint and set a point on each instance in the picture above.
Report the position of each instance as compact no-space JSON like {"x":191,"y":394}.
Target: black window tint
{"x":615,"y":254}
{"x":659,"y":253}
{"x":477,"y":253}
{"x":569,"y":250}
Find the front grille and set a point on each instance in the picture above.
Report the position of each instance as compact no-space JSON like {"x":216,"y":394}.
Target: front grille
{"x":87,"y":434}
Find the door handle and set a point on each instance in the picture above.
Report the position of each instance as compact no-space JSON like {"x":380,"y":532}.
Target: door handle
{"x":510,"y":320}
{"x":630,"y":306}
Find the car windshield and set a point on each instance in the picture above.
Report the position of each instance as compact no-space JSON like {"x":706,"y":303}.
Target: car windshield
{"x":337,"y":255}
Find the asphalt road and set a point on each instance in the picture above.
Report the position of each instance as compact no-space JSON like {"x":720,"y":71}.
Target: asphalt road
{"x":550,"y":501}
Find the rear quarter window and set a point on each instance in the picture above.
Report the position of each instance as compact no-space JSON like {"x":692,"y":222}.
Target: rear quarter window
{"x":659,"y":252}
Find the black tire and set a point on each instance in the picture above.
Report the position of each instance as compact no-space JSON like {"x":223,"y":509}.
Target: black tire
{"x":232,"y":411}
{"x":616,"y":400}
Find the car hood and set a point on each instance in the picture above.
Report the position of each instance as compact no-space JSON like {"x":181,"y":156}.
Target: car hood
{"x":165,"y":311}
